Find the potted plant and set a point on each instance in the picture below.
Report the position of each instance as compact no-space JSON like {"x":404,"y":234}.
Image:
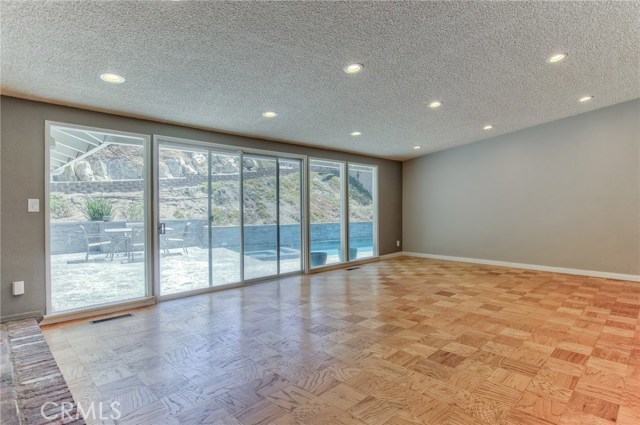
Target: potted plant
{"x":98,"y":209}
{"x":318,"y":258}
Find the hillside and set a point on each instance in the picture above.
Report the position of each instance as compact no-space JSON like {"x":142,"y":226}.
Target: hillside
{"x":184,"y":187}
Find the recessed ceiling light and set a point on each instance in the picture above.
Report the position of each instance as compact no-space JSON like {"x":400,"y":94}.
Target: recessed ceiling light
{"x":558,"y":57}
{"x":269,"y":114}
{"x":586,"y":98}
{"x":353,"y":68}
{"x":355,"y":133}
{"x":417,"y":147}
{"x":487,"y":127}
{"x":109,"y":77}
{"x":435,"y":104}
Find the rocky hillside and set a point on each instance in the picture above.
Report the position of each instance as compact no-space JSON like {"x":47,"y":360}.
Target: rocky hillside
{"x":119,"y":162}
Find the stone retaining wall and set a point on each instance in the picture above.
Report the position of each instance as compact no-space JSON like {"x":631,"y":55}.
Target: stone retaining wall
{"x":137,"y":185}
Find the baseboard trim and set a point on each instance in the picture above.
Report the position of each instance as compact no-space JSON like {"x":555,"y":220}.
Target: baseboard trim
{"x":20,"y":316}
{"x":392,"y":255}
{"x":114,"y":308}
{"x":579,"y":272}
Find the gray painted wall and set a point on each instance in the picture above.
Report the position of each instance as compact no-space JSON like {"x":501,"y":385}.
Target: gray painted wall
{"x":564,"y":194}
{"x":22,"y":177}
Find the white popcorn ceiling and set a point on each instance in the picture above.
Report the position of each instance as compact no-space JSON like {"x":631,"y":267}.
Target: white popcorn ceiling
{"x":219,"y":65}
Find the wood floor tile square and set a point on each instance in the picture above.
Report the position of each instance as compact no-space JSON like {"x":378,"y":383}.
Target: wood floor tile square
{"x":485,"y":409}
{"x":209,"y":411}
{"x":344,"y":419}
{"x":569,"y":356}
{"x":436,"y":413}
{"x":343,"y":396}
{"x":498,"y":392}
{"x":432,"y":369}
{"x":403,"y":358}
{"x":595,"y":406}
{"x":611,"y":354}
{"x":565,"y":367}
{"x":259,"y":413}
{"x":446,"y":358}
{"x":628,"y":416}
{"x":466,"y":380}
{"x":459,"y":349}
{"x":518,"y":417}
{"x":607,"y":366}
{"x":509,"y":379}
{"x":290,"y":397}
{"x":498,"y":349}
{"x":541,"y":407}
{"x":576,"y":348}
{"x":373,"y":411}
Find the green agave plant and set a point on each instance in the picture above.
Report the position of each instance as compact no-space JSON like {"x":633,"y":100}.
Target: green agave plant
{"x":97,"y":208}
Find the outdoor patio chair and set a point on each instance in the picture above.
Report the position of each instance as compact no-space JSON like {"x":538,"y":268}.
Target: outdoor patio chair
{"x":96,"y":240}
{"x":180,"y":240}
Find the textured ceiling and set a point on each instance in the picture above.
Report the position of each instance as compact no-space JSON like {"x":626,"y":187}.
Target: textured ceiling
{"x":219,"y":65}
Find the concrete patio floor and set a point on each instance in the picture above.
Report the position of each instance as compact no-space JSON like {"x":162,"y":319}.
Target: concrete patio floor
{"x":76,"y":284}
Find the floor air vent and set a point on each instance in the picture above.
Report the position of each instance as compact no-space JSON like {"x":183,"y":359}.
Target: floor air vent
{"x":352,"y":268}
{"x":122,"y":316}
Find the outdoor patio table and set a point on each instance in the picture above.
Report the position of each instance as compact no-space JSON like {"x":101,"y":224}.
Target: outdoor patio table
{"x":125,"y":233}
{"x":119,"y":234}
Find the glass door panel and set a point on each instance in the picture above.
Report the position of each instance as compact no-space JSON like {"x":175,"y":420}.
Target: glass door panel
{"x":225,"y":235}
{"x":199,"y":211}
{"x":326,"y":211}
{"x":260,"y":211}
{"x":290,"y":209}
{"x":183,"y":211}
{"x":97,"y":226}
{"x":362,"y":213}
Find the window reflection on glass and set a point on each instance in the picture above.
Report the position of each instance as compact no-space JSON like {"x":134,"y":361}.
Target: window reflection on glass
{"x":260,"y":210}
{"x":362,"y":204}
{"x":96,"y":217}
{"x":290,"y":215}
{"x":326,"y":212}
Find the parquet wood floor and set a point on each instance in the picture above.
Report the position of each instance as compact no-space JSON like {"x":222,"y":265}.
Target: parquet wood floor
{"x":398,"y":342}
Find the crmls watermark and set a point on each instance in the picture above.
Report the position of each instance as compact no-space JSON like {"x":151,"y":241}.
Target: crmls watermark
{"x":90,"y":410}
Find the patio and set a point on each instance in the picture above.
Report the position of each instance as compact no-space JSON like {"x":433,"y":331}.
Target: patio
{"x":99,"y":281}
{"x":79,"y":284}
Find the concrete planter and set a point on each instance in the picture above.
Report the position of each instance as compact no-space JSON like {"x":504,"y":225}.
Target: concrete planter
{"x":318,"y":258}
{"x":353,"y":254}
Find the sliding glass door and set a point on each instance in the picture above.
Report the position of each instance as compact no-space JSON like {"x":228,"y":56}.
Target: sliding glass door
{"x":272,"y":203}
{"x":343,"y":212}
{"x":327,"y":212}
{"x":199,"y":215}
{"x":362,"y":211}
{"x":224,"y":227}
{"x":290,"y":214}
{"x":97,"y":217}
{"x":183,"y":212}
{"x":225,"y":217}
{"x":260,"y":209}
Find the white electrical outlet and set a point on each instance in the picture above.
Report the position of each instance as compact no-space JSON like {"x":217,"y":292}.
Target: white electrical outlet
{"x":17,"y":288}
{"x":397,"y":243}
{"x":33,"y":205}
